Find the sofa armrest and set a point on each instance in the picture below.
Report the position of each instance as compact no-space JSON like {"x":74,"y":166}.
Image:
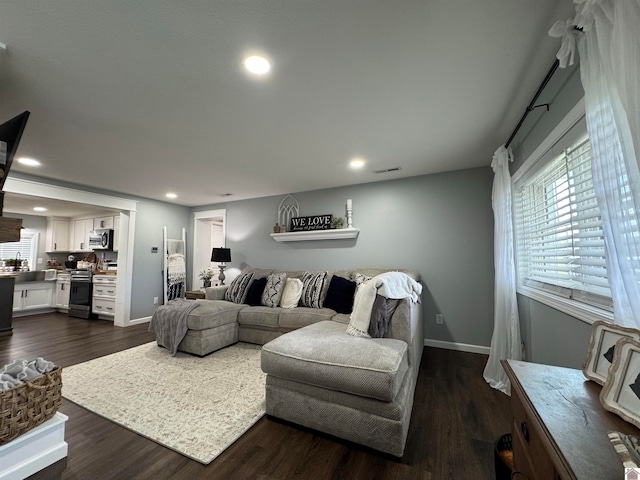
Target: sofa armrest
{"x":407,"y":325}
{"x":215,"y":293}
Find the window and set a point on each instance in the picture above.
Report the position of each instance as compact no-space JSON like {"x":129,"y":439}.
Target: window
{"x":26,"y":248}
{"x":559,"y":236}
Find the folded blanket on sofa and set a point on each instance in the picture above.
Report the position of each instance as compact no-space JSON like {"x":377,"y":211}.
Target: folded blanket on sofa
{"x":393,"y":285}
{"x":169,"y":322}
{"x":20,"y":371}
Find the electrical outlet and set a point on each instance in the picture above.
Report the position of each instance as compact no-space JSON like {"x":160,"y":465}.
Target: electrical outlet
{"x":39,"y":261}
{"x":439,"y":318}
{"x":155,"y":300}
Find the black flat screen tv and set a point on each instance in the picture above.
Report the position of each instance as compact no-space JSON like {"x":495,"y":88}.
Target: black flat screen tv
{"x":10,"y":134}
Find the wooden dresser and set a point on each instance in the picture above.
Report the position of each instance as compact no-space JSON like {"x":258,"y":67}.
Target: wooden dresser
{"x":559,"y":426}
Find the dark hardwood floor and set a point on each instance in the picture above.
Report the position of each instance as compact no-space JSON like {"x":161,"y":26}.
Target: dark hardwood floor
{"x":456,"y":418}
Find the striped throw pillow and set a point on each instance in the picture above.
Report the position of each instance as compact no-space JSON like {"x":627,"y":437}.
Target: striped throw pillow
{"x":312,"y":286}
{"x":238,"y":288}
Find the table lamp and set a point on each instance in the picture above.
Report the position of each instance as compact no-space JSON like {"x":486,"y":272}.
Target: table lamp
{"x":221,"y":255}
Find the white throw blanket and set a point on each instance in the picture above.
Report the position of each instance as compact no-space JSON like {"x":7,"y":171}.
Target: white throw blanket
{"x":394,"y":285}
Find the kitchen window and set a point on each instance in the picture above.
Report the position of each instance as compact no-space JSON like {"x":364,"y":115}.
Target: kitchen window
{"x":25,"y":249}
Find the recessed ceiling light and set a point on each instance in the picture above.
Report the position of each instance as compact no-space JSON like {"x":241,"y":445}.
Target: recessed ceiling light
{"x":257,"y":64}
{"x":172,"y":195}
{"x":30,"y":162}
{"x":40,"y":209}
{"x":357,"y":163}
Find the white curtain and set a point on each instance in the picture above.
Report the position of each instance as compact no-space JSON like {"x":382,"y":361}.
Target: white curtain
{"x":609,"y":49}
{"x":505,"y":342}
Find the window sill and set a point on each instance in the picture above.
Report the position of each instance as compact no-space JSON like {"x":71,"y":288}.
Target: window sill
{"x":581,"y":311}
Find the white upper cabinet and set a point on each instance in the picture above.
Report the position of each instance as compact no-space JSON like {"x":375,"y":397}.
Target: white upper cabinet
{"x":81,"y":230}
{"x":58,"y":238}
{"x":103,"y":222}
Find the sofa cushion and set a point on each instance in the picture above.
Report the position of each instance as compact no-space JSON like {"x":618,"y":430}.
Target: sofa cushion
{"x":237,"y":291}
{"x":258,"y":272}
{"x":302,"y":316}
{"x":312,"y":289}
{"x":259,"y":316}
{"x":324,"y":355}
{"x":340,"y":294}
{"x":273,"y":289}
{"x":255,"y":291}
{"x":291,"y":293}
{"x":212,"y":313}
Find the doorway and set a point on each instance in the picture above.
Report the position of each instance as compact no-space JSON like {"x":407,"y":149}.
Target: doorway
{"x":209,"y":230}
{"x":127,"y":209}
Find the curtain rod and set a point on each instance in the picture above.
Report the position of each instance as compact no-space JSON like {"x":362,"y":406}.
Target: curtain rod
{"x":532,"y":104}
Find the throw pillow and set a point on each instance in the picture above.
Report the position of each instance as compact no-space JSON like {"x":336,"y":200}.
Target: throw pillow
{"x":312,"y":284}
{"x":273,"y":289}
{"x":360,"y":278}
{"x":340,"y":294}
{"x":254,"y":293}
{"x":238,"y":288}
{"x":291,"y":293}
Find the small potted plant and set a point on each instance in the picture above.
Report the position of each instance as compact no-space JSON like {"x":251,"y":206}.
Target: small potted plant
{"x":206,"y":276}
{"x":337,"y":222}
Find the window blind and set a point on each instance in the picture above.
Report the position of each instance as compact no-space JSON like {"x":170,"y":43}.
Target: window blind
{"x":26,"y":248}
{"x":560,"y":241}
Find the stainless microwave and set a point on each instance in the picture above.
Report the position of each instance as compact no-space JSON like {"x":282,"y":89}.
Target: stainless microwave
{"x":101,"y":240}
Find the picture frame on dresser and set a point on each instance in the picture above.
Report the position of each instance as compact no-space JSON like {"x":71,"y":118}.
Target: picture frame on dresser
{"x":621,"y":391}
{"x":601,"y":349}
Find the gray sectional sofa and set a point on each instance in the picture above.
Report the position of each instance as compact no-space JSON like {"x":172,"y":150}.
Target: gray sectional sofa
{"x":318,"y":376}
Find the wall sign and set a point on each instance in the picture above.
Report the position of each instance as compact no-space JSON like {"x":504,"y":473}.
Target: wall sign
{"x":315,"y":222}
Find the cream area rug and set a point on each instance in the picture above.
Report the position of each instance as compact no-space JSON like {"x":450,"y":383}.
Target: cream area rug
{"x":195,"y":406}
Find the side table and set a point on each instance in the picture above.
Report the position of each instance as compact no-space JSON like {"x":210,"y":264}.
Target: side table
{"x":194,"y":294}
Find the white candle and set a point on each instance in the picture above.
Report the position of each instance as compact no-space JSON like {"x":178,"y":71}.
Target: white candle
{"x":349,"y":205}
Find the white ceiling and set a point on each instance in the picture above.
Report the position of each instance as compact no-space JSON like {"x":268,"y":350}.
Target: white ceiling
{"x":149,"y":96}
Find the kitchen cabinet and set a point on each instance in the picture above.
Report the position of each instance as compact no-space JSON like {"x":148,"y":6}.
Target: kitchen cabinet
{"x":104,"y":296}
{"x":116,"y":232}
{"x":81,"y":230}
{"x":32,"y":296}
{"x":103,"y":222}
{"x":58,"y":236}
{"x":63,"y":288}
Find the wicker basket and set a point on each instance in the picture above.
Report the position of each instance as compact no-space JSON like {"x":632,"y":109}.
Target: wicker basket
{"x":30,"y":404}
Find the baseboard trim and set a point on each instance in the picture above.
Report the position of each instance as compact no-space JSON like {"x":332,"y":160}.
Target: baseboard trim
{"x":137,"y":321}
{"x":461,"y":347}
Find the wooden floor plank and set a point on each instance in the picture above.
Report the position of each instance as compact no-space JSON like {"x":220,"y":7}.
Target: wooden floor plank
{"x":456,"y":418}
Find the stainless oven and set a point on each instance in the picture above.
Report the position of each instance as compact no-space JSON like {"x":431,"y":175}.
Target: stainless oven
{"x":80,"y":294}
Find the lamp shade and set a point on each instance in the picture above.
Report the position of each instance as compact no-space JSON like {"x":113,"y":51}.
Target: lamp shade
{"x":221,"y":255}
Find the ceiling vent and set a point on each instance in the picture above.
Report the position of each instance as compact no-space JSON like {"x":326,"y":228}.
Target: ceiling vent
{"x":387,"y":170}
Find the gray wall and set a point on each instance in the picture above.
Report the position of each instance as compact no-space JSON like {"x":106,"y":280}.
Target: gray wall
{"x":147,"y":266}
{"x":550,"y":336}
{"x":440,"y":225}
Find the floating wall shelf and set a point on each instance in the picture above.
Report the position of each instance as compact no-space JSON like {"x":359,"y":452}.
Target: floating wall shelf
{"x":336,"y":234}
